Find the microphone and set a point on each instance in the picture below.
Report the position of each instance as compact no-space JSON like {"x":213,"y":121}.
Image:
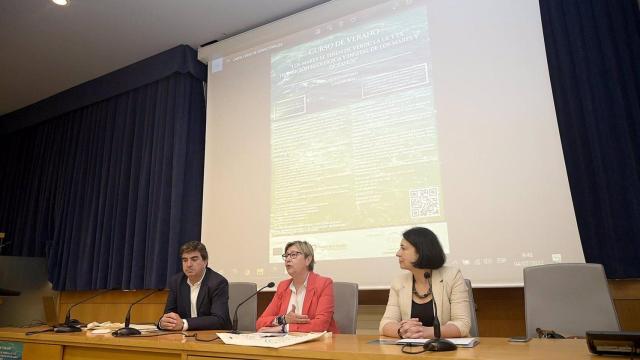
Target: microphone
{"x":437,"y":344}
{"x":234,"y":326}
{"x":72,"y":325}
{"x":126,"y":330}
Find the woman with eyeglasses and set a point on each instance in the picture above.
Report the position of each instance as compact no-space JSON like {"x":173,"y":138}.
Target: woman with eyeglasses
{"x":409,"y":312}
{"x":303,"y":303}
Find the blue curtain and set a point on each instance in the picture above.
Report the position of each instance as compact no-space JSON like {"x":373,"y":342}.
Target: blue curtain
{"x":593,"y":52}
{"x":109,"y":191}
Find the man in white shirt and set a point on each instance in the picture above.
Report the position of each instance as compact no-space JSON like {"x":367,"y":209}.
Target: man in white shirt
{"x":198,"y":296}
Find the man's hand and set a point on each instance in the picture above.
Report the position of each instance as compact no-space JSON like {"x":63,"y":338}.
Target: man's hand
{"x":171,"y":321}
{"x":293,"y":318}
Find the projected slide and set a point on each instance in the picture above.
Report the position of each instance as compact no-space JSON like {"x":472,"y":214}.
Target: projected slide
{"x":354,"y":140}
{"x":349,"y":123}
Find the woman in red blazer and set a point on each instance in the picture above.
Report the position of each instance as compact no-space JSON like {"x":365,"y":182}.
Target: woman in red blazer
{"x":303,"y":303}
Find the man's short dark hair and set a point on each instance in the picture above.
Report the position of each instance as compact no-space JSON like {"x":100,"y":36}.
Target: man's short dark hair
{"x":430,"y":252}
{"x":194,"y":246}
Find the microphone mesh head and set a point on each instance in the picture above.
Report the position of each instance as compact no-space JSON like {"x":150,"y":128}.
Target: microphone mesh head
{"x":271,"y":284}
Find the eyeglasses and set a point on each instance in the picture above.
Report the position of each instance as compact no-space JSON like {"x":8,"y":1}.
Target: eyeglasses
{"x":292,"y":255}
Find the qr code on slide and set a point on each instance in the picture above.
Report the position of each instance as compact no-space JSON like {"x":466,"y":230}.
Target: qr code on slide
{"x":425,"y":202}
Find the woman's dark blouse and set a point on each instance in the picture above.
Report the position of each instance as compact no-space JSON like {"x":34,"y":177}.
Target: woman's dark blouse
{"x":423,"y":312}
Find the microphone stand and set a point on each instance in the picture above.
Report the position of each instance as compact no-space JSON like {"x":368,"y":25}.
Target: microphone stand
{"x":69,"y":326}
{"x":126,"y":330}
{"x":436,"y":344}
{"x":234,"y":326}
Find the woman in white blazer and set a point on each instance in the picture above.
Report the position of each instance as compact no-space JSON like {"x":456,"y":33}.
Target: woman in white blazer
{"x":409,"y":312}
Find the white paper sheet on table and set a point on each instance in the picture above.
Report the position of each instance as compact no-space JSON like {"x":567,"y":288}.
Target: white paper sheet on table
{"x":257,"y":339}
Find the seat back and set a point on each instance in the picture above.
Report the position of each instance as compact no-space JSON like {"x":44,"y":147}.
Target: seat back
{"x":568,"y":298}
{"x":247,"y":314}
{"x":473,"y":331}
{"x":346,"y":308}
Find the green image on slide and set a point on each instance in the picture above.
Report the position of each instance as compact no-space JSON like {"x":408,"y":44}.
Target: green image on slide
{"x":353,"y":129}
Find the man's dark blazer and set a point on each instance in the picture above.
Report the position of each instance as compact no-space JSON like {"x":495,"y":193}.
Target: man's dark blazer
{"x":212,"y":302}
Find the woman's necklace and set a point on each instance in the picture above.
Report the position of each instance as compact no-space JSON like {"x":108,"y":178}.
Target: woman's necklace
{"x":416,"y":293}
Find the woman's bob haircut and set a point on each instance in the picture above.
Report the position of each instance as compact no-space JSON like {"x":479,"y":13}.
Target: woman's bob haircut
{"x":430,"y":252}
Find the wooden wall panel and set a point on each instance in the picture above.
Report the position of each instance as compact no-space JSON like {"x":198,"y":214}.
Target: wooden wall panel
{"x":626,"y":297}
{"x":500,"y":310}
{"x":113,"y":306}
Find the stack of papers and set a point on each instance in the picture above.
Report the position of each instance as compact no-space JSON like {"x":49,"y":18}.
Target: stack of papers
{"x":264,"y":340}
{"x":108,"y":327}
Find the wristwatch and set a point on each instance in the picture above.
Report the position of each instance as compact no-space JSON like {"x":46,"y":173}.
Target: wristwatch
{"x":281,"y":320}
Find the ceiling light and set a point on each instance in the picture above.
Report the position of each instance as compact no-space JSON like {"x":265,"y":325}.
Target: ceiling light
{"x":60,"y":2}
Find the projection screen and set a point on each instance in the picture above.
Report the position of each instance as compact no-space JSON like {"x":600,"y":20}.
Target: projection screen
{"x":348,"y":123}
